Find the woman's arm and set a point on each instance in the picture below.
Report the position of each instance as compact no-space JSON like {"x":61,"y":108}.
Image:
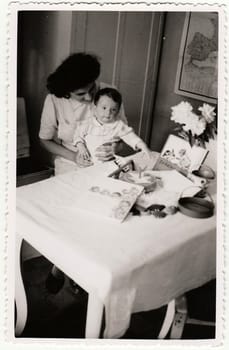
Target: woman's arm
{"x":58,"y":150}
{"x":48,"y":131}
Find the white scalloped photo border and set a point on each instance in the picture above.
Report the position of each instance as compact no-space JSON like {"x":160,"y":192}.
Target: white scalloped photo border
{"x":8,"y":32}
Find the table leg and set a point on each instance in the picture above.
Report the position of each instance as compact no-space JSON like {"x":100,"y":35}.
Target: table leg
{"x":168,"y":320}
{"x":20,"y":296}
{"x":94,"y":316}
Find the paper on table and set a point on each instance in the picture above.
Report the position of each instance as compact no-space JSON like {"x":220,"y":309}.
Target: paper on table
{"x":173,"y":184}
{"x":110,"y":198}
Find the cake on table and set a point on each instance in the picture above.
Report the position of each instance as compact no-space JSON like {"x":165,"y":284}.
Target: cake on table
{"x":143,"y":178}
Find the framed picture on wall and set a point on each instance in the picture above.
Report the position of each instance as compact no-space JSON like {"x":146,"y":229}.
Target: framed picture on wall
{"x":197,"y":71}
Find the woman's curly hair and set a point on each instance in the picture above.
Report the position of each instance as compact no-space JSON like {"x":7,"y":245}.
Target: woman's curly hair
{"x":75,"y":72}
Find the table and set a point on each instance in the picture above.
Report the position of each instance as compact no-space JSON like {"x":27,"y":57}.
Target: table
{"x":138,"y":265}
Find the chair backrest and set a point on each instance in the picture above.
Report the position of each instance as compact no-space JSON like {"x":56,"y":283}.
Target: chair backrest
{"x":23,"y":144}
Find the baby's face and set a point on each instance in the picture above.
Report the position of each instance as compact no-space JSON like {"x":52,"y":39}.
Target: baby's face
{"x":106,"y":109}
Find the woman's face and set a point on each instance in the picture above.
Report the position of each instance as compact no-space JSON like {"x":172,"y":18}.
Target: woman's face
{"x":84,"y":94}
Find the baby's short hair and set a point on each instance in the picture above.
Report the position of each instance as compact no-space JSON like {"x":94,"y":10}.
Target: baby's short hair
{"x":110,"y":92}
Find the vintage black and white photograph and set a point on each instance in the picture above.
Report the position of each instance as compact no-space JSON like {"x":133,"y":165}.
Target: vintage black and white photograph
{"x":117,"y":174}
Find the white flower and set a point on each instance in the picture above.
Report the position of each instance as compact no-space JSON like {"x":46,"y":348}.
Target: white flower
{"x":180,"y":113}
{"x":192,"y":124}
{"x":207,"y":112}
{"x":195,"y":124}
{"x":183,"y":114}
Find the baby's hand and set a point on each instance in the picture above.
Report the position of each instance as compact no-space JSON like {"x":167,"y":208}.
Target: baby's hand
{"x":146,"y":151}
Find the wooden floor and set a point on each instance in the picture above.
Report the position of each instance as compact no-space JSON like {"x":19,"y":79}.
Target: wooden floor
{"x":63,"y":315}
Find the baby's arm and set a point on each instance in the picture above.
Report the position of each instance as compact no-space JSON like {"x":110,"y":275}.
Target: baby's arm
{"x":143,"y":147}
{"x":134,"y":141}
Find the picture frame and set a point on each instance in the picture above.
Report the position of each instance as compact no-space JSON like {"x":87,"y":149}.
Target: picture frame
{"x":178,"y":154}
{"x":197,"y":70}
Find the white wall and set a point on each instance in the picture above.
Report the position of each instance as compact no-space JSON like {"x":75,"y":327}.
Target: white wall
{"x":127,"y":43}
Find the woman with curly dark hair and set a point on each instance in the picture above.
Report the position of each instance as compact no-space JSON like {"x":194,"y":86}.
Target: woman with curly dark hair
{"x":72,"y":87}
{"x":71,"y":90}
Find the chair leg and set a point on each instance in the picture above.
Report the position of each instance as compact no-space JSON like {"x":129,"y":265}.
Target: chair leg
{"x":200,"y":322}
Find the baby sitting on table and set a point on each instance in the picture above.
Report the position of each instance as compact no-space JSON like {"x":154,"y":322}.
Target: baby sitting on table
{"x":104,"y":127}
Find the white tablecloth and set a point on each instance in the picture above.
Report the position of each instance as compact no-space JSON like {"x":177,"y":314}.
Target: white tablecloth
{"x":137,"y":265}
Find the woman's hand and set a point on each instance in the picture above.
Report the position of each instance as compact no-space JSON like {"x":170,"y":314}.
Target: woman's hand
{"x":107,"y":151}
